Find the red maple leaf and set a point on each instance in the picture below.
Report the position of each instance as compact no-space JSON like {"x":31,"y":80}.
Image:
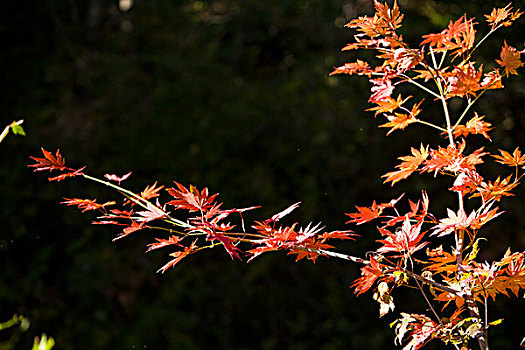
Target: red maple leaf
{"x":365,"y":214}
{"x":54,"y":162}
{"x":382,"y":89}
{"x":161,"y":243}
{"x":405,"y":241}
{"x":86,"y":204}
{"x":338,"y":235}
{"x":191,"y":199}
{"x":178,"y":256}
{"x":49,"y":162}
{"x":153,"y":212}
{"x":134,"y":226}
{"x":451,"y":159}
{"x":116,"y":178}
{"x":283,"y":213}
{"x":370,"y":273}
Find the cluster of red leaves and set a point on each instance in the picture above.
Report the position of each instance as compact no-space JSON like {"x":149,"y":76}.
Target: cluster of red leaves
{"x":205,"y":218}
{"x":305,"y":242}
{"x":399,"y":243}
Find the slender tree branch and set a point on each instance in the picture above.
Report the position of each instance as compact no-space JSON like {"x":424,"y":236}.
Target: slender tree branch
{"x":137,"y":199}
{"x":408,"y":272}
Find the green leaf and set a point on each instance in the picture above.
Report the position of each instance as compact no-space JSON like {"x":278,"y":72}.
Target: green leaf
{"x":16,"y":128}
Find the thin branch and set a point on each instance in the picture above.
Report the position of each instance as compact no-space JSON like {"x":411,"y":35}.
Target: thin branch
{"x":431,"y":125}
{"x":408,"y":272}
{"x":423,"y":87}
{"x":137,"y":199}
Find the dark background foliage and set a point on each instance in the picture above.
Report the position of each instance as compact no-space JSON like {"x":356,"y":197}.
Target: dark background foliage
{"x":233,"y":95}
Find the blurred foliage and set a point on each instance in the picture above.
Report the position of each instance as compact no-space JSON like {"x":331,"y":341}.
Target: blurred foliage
{"x":11,"y":330}
{"x":43,"y":343}
{"x":234,"y":95}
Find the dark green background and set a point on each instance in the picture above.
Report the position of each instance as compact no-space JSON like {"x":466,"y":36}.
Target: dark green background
{"x":233,"y":95}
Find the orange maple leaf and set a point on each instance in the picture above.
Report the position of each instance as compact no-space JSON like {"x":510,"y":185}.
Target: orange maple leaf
{"x":151,"y":191}
{"x":492,"y":80}
{"x":402,"y":120}
{"x":502,"y":16}
{"x":464,"y":80}
{"x":442,"y":263}
{"x":398,"y":121}
{"x":497,"y":189}
{"x":388,"y":105}
{"x":408,"y":166}
{"x":458,"y":37}
{"x":358,"y":67}
{"x":392,"y":17}
{"x":516,"y":159}
{"x":384,"y":22}
{"x":510,"y":59}
{"x":476,"y":125}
